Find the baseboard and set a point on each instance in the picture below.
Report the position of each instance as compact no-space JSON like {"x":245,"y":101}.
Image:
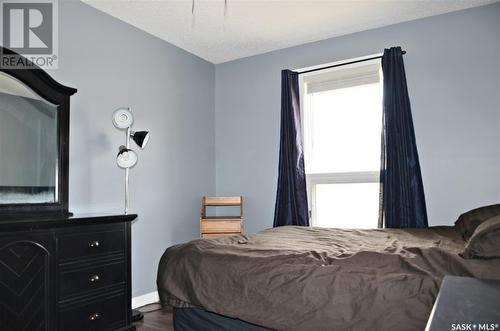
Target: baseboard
{"x":145,"y":299}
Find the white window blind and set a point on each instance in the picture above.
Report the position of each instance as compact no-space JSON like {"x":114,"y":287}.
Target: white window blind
{"x":338,"y":79}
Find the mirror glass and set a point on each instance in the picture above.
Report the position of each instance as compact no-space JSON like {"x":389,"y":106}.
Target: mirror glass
{"x":28,"y":145}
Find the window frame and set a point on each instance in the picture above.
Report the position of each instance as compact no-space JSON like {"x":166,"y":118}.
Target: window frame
{"x":314,"y":179}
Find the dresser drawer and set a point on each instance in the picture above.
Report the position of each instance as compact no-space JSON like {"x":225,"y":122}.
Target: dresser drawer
{"x":106,"y":314}
{"x":92,"y":278}
{"x":90,"y":244}
{"x":220,"y":226}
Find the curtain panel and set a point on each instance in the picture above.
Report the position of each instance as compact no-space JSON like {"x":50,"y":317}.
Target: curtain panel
{"x":291,"y":197}
{"x":402,"y":203}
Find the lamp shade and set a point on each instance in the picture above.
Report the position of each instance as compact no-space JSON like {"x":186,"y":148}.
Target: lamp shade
{"x":126,"y":158}
{"x":140,"y":137}
{"x":123,"y":118}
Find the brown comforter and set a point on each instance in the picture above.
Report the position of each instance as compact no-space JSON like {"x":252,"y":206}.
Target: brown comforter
{"x":299,"y":278}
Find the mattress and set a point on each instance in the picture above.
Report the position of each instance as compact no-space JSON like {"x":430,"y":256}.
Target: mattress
{"x":306,"y":278}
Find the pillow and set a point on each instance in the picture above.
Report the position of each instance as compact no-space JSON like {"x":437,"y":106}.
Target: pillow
{"x":485,"y":242}
{"x":469,"y":221}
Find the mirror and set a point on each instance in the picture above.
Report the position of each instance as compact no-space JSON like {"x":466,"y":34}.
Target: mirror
{"x":28,"y":145}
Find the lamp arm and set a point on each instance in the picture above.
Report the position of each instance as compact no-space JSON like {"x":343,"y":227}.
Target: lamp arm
{"x":127,"y":141}
{"x":127,"y":144}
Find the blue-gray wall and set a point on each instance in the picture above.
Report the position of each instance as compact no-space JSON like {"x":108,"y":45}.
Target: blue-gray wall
{"x":452,"y":68}
{"x":171,"y":93}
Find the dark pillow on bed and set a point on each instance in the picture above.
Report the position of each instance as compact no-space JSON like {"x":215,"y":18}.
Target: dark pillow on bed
{"x":469,"y":221}
{"x":485,"y":242}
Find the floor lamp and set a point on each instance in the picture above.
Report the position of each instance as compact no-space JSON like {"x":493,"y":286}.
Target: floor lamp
{"x":127,"y":158}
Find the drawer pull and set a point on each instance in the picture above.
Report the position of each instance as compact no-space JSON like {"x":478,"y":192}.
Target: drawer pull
{"x":94,"y":316}
{"x":94,"y":278}
{"x":94,"y":244}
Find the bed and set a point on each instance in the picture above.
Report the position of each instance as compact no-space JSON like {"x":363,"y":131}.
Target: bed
{"x":306,"y":278}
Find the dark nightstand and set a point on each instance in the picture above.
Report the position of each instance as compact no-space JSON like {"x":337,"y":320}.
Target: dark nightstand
{"x":466,"y":304}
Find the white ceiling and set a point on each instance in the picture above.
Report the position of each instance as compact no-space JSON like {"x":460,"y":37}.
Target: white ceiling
{"x":252,"y":27}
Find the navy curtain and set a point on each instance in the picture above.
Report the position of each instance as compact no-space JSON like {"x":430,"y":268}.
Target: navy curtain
{"x":291,"y":197}
{"x":402,"y":202}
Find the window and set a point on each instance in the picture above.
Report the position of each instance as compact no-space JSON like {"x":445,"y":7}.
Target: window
{"x":342,"y":122}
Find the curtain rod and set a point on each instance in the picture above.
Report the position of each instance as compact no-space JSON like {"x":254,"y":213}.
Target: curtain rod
{"x":342,"y":64}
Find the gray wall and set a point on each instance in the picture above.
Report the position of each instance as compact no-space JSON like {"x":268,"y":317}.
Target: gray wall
{"x":452,"y":69}
{"x":172,"y":94}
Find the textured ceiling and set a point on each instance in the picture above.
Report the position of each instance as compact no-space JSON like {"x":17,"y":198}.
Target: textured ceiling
{"x":250,"y":27}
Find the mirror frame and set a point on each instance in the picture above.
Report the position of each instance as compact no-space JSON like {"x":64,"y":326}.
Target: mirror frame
{"x":45,"y":86}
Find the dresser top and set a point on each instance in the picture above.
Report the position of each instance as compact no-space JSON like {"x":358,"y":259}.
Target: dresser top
{"x":58,"y":220}
{"x":466,"y":304}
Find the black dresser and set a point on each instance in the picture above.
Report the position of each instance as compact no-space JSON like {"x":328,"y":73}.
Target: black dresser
{"x":57,"y":272}
{"x":66,"y":273}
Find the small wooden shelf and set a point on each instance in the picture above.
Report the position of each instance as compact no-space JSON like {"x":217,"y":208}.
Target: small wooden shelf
{"x":216,"y":226}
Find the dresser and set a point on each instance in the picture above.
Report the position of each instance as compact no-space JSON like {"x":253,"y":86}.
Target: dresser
{"x":465,"y":303}
{"x":66,"y":273}
{"x":58,"y":271}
